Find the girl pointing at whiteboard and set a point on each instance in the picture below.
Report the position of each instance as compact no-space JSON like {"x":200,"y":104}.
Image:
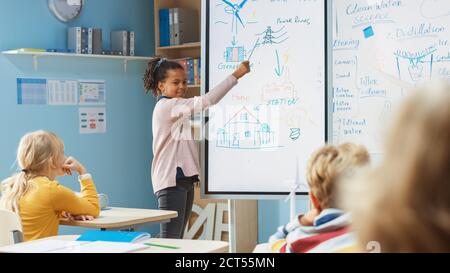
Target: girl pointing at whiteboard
{"x":176,"y":164}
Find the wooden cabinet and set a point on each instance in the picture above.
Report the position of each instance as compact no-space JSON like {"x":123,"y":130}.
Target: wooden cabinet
{"x":179,"y":51}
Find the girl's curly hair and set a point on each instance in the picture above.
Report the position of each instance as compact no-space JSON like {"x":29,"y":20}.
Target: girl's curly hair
{"x":156,"y":72}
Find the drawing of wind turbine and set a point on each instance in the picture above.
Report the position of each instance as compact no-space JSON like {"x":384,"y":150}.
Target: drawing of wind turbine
{"x":234,"y":9}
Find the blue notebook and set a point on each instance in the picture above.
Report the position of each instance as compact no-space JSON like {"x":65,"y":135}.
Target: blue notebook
{"x":114,"y":236}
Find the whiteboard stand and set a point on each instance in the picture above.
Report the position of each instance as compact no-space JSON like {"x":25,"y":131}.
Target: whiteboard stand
{"x":243,"y":225}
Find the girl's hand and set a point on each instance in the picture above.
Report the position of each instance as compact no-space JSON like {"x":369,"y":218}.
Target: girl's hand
{"x":71,"y":164}
{"x":67,"y":215}
{"x":71,"y":217}
{"x":243,"y":69}
{"x":308,"y":218}
{"x":83,"y":218}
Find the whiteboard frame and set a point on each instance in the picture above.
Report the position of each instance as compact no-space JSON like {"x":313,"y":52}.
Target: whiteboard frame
{"x":205,"y":27}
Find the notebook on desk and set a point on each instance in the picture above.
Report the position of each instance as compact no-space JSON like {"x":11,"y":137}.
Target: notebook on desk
{"x":114,"y":236}
{"x":42,"y":246}
{"x":101,"y":247}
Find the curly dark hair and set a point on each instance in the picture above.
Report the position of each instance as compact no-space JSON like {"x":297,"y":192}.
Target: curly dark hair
{"x":156,"y":72}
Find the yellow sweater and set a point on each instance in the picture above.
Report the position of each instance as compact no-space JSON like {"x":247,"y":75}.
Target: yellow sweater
{"x":42,"y":205}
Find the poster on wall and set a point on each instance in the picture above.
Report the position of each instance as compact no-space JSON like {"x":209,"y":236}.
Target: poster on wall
{"x":32,"y":91}
{"x":62,"y":92}
{"x":92,"y":92}
{"x":92,"y":120}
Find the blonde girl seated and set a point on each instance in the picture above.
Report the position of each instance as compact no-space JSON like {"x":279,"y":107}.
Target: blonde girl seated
{"x":37,"y":197}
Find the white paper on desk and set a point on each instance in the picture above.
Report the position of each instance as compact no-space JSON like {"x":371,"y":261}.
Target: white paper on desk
{"x":42,"y":246}
{"x":102,"y":247}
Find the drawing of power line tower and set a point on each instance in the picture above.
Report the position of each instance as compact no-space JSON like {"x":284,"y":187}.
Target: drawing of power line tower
{"x":245,"y":131}
{"x":270,"y":36}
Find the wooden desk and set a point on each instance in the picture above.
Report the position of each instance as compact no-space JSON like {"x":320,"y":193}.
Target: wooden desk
{"x":185,"y":246}
{"x":122,"y":218}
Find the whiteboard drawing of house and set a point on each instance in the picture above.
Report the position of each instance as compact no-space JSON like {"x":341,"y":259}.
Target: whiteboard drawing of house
{"x":245,"y":131}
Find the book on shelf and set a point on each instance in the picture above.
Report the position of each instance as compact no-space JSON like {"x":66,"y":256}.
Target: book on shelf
{"x":60,"y":50}
{"x":192,"y":68}
{"x":190,"y":72}
{"x":24,"y":49}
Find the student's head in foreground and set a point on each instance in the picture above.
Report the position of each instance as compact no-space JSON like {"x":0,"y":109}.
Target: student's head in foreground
{"x":330,"y":164}
{"x":404,"y":204}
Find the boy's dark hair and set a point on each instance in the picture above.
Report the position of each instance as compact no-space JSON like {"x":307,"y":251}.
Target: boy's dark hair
{"x":156,"y":72}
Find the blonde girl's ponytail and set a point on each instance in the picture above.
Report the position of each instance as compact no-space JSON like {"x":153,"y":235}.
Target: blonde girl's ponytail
{"x":35,"y":153}
{"x":12,"y":190}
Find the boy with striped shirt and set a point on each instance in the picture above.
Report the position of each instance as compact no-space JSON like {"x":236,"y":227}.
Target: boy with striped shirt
{"x":325,"y":228}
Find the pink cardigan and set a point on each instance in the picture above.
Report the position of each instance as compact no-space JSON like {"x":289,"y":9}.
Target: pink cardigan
{"x":173,"y":143}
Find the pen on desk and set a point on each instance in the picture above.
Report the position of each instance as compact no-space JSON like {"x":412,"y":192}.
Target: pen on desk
{"x":163,"y":246}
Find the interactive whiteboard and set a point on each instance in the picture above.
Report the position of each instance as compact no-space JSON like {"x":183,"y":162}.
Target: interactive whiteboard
{"x":381,"y":49}
{"x":260,"y":136}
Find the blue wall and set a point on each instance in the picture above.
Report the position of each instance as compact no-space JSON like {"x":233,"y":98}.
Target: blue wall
{"x":273,"y":213}
{"x":119,"y":160}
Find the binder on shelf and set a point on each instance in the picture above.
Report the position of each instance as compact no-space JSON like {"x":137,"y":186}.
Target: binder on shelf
{"x":120,"y":41}
{"x":171,"y":30}
{"x":176,"y":28}
{"x":77,"y":40}
{"x":164,"y":27}
{"x":95,"y":41}
{"x":185,"y":29}
{"x":90,"y":41}
{"x":132,"y":38}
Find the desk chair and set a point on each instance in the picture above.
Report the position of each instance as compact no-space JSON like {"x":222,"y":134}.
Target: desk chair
{"x":10,"y":228}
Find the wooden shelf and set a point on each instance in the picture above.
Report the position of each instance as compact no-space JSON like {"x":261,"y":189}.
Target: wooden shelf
{"x":191,"y":50}
{"x":188,"y":50}
{"x":37,"y":55}
{"x":183,"y":46}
